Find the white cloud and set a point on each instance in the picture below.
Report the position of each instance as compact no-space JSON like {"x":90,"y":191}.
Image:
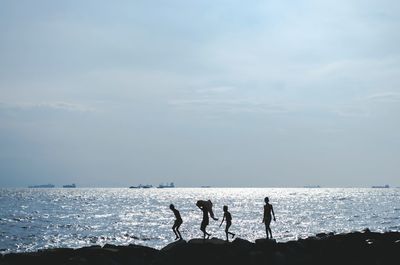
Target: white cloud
{"x":384,"y":97}
{"x":57,"y":105}
{"x":230,"y":106}
{"x":352,"y":111}
{"x":214,"y":90}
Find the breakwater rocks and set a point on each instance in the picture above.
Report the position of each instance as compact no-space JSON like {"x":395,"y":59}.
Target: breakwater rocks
{"x":352,"y":248}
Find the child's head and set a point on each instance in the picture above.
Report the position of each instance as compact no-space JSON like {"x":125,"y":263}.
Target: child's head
{"x":171,"y":206}
{"x":225,"y":208}
{"x":266,"y":199}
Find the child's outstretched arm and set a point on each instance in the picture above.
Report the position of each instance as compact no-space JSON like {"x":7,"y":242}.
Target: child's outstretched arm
{"x":223,"y":218}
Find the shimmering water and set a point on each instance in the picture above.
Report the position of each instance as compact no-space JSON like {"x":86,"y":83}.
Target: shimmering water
{"x":32,"y":219}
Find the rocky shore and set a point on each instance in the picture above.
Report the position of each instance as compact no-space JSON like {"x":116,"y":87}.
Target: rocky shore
{"x":353,"y":248}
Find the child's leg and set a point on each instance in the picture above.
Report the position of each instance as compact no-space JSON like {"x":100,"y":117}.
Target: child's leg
{"x":177,"y":230}
{"x":173,"y":229}
{"x":205,"y":233}
{"x":228,"y":225}
{"x":203,"y":229}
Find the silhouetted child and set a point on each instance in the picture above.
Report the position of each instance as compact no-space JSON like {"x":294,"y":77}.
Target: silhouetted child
{"x":228,"y":218}
{"x":268,"y":209}
{"x":205,"y":221}
{"x":208,"y":206}
{"x":177,"y":223}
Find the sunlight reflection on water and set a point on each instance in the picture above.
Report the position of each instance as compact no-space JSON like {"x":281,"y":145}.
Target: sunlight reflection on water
{"x":31,"y":219}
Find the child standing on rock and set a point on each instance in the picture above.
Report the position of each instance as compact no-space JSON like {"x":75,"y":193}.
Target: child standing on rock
{"x":268,"y":209}
{"x":228,"y":218}
{"x":177,"y":223}
{"x":205,"y":221}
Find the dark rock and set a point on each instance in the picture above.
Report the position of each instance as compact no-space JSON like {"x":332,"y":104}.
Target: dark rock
{"x":197,"y":241}
{"x":366,"y":230}
{"x":174,"y":245}
{"x":321,"y":235}
{"x":216,"y":241}
{"x":213,"y":241}
{"x":265,"y":243}
{"x":110,"y":246}
{"x":369,"y":241}
{"x":242,"y":243}
{"x":279,"y":258}
{"x":352,"y":248}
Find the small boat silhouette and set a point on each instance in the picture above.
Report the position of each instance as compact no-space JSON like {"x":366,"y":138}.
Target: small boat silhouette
{"x":69,"y":185}
{"x":147,"y":186}
{"x":381,"y":187}
{"x":162,"y":186}
{"x":42,"y":186}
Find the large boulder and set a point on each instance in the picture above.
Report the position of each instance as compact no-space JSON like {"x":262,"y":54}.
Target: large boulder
{"x":242,"y":243}
{"x":174,"y":245}
{"x":353,"y":248}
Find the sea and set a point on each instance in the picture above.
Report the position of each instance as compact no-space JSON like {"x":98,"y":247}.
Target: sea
{"x":33,"y":219}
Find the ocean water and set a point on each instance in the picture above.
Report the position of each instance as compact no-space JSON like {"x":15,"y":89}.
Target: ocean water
{"x":32,"y":219}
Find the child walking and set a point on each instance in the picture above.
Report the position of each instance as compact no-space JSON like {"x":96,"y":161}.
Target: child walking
{"x":177,"y":223}
{"x":228,"y":219}
{"x":205,"y":221}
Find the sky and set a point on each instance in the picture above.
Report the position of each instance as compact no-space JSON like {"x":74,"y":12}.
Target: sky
{"x":278,"y":93}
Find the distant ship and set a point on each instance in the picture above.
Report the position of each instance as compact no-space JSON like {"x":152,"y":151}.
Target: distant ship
{"x":381,"y":187}
{"x":70,"y":186}
{"x":162,"y":186}
{"x":206,"y":186}
{"x":312,"y":186}
{"x":147,"y":186}
{"x":42,"y":186}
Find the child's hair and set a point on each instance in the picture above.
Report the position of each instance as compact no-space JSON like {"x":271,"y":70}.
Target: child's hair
{"x":171,"y":206}
{"x":266,"y":199}
{"x":225,"y":208}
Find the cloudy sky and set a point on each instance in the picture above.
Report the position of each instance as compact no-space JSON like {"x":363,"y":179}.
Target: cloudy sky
{"x":221,"y":93}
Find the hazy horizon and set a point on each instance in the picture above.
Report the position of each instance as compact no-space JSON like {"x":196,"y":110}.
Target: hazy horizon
{"x":154,"y":185}
{"x":219,"y":93}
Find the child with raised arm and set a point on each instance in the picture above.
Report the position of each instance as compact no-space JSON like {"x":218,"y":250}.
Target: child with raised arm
{"x":208,"y":206}
{"x":205,"y":221}
{"x":228,"y":219}
{"x":177,"y":223}
{"x":268,"y":209}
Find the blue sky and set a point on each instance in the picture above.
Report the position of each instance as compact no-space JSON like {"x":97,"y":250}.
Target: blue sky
{"x":221,"y":93}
